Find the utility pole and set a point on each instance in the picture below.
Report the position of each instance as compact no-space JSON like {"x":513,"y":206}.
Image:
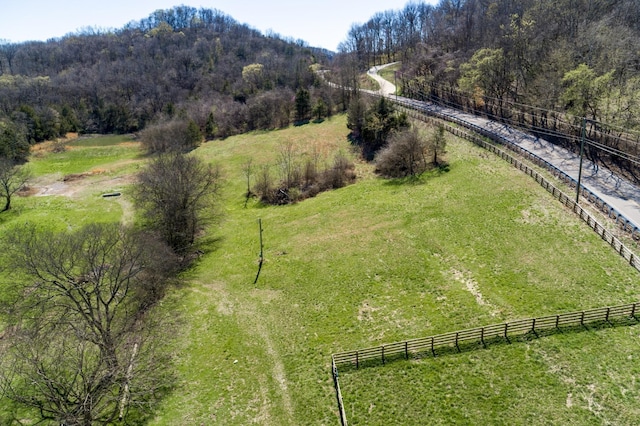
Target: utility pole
{"x":584,"y":130}
{"x":395,"y":83}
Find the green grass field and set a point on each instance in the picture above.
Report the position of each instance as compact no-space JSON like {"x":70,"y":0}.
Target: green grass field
{"x":76,"y":178}
{"x":376,"y":262}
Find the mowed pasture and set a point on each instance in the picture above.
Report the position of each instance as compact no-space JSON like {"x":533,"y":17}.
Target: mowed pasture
{"x":376,"y":262}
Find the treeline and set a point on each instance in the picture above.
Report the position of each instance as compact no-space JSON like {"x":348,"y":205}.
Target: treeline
{"x":195,"y":63}
{"x":540,"y":64}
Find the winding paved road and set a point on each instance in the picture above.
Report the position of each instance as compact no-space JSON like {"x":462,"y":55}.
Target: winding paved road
{"x":616,"y":191}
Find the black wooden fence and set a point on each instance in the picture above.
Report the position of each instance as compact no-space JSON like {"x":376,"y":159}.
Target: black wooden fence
{"x":473,"y":338}
{"x":431,"y":345}
{"x":336,"y":384}
{"x":605,"y":234}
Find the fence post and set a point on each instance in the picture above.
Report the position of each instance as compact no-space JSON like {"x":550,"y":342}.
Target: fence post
{"x":406,"y":350}
{"x":357,"y":361}
{"x":582,"y":320}
{"x":457,"y":347}
{"x":633,"y":312}
{"x":432,"y":349}
{"x":557,"y":321}
{"x":506,"y":326}
{"x":482,"y":337}
{"x":336,"y":383}
{"x":606,"y":318}
{"x":533,"y":327}
{"x":382,"y":354}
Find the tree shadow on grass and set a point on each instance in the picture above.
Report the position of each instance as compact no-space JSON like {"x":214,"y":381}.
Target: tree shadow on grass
{"x":420,"y":179}
{"x":209,"y":244}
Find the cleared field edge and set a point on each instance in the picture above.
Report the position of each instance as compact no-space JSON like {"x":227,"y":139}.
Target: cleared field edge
{"x":452,"y":341}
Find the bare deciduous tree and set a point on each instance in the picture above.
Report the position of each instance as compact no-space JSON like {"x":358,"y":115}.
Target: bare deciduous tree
{"x":13,"y":178}
{"x":175,"y":135}
{"x":404,"y":155}
{"x":77,"y":341}
{"x":176,"y":193}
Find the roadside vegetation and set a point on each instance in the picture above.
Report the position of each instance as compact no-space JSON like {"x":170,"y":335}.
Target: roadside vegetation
{"x":548,"y":67}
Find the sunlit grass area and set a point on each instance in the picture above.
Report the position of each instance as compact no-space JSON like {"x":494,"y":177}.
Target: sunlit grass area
{"x":374,"y":262}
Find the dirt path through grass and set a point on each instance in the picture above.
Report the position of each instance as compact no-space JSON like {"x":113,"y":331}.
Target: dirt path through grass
{"x":257,"y":326}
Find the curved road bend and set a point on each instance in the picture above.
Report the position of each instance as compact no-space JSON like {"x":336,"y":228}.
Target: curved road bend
{"x":616,"y":191}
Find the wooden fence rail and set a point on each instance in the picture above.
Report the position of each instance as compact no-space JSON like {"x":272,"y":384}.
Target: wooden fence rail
{"x":569,"y":202}
{"x":336,"y":384}
{"x":419,"y":111}
{"x":426,"y":346}
{"x":482,"y":335}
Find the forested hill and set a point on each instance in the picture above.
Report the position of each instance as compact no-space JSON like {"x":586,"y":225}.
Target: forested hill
{"x":526,"y":51}
{"x":542,"y":64}
{"x":199,"y":63}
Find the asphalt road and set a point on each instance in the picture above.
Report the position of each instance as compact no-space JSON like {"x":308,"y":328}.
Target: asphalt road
{"x":615,"y":190}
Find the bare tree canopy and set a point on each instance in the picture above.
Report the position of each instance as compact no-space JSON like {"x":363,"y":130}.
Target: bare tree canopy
{"x":13,"y":178}
{"x":198,"y":64}
{"x":77,"y":345}
{"x":404,"y":155}
{"x":176,"y":193}
{"x":174,"y":135}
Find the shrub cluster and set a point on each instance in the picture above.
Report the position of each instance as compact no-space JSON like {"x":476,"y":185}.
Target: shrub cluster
{"x":178,"y":134}
{"x":410,"y":153}
{"x":302,"y":180}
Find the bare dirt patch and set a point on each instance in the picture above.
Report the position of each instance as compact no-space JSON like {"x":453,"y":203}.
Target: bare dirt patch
{"x":75,"y":184}
{"x":57,"y":145}
{"x":472,"y":287}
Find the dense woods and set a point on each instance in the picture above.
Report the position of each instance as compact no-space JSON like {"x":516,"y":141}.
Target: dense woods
{"x":543,"y":65}
{"x":197,"y":65}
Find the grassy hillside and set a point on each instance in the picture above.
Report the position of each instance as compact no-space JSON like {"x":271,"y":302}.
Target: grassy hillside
{"x":376,"y":262}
